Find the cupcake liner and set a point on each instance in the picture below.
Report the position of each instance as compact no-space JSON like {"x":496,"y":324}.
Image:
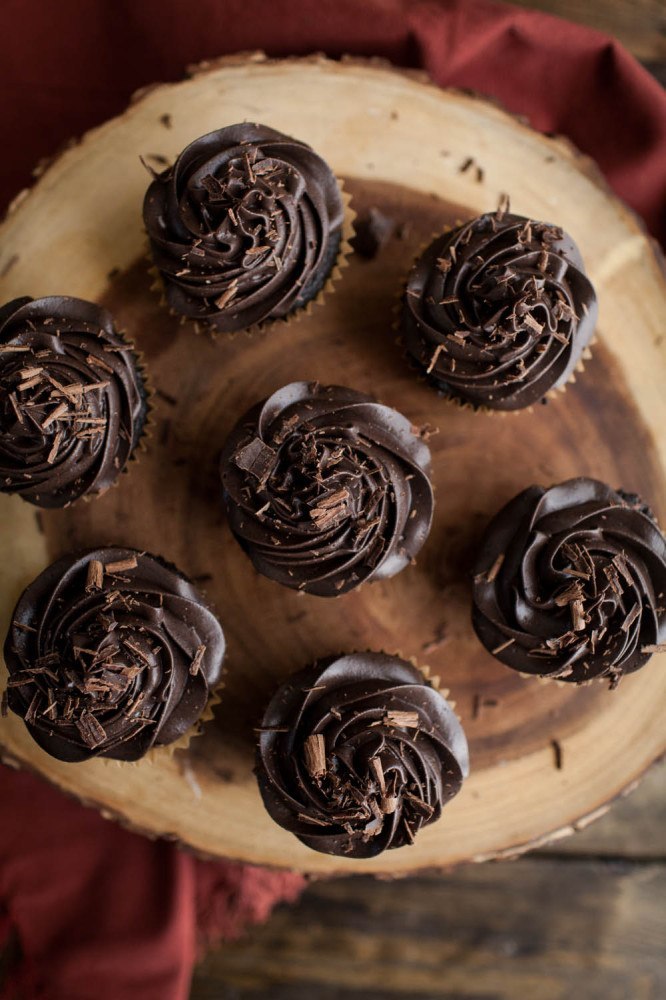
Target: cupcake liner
{"x":433,"y":680}
{"x":448,"y":397}
{"x":156,"y":753}
{"x":341,"y":261}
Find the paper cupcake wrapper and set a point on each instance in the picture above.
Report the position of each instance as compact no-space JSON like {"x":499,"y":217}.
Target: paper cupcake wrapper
{"x":341,"y":261}
{"x":540,"y":679}
{"x":433,"y":680}
{"x":155,"y":754}
{"x":555,"y":392}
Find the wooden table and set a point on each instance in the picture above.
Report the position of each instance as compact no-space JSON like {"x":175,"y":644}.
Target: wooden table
{"x":582,"y":919}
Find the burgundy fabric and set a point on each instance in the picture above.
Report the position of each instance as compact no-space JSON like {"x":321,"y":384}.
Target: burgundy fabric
{"x":104,"y":914}
{"x":100,"y":912}
{"x":69,"y":65}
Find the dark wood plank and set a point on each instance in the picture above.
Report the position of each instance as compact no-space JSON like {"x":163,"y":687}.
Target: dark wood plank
{"x":536,"y":928}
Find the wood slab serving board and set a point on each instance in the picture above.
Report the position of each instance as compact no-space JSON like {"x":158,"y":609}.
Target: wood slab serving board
{"x":400,"y":145}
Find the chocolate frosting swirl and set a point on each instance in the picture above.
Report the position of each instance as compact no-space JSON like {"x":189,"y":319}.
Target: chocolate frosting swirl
{"x":72,"y":402}
{"x":245,"y":226}
{"x":498,"y":311}
{"x":357,"y":753}
{"x":326,"y":488}
{"x":570,"y":582}
{"x":111,"y":652}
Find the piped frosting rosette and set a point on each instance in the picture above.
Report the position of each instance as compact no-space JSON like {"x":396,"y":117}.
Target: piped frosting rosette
{"x":325,"y":488}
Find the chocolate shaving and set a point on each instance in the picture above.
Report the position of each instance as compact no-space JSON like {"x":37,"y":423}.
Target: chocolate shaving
{"x":503,"y":207}
{"x":376,"y":765}
{"x":91,"y":730}
{"x":256,"y":458}
{"x":405,"y":720}
{"x":502,"y":646}
{"x":314,"y":750}
{"x":23,"y":628}
{"x":32,"y":711}
{"x":95,"y":575}
{"x":631,"y":618}
{"x":15,"y":406}
{"x":557,"y":753}
{"x":572,"y":593}
{"x":56,"y":414}
{"x":197,"y":662}
{"x":621,"y":564}
{"x":389,"y":804}
{"x":98,"y":363}
{"x":533,"y":324}
{"x":492,"y":573}
{"x":228,"y":295}
{"x":55,"y":448}
{"x":314,"y":820}
{"x":423,"y":807}
{"x":433,"y":361}
{"x":121,"y":566}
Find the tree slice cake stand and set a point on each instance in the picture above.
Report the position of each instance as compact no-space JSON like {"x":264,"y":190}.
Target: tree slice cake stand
{"x":546,"y":758}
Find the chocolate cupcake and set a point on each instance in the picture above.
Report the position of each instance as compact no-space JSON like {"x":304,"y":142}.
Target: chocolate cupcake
{"x":245,"y":228}
{"x":325,"y":488}
{"x":111,"y":652}
{"x":73,"y":402}
{"x":498,"y":312}
{"x":570,"y":583}
{"x":357,"y":753}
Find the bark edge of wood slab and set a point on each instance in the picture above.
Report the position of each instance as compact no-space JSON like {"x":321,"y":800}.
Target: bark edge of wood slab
{"x":400,"y":144}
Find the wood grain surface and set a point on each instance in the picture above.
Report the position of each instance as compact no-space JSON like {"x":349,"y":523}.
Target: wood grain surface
{"x":543,"y":928}
{"x":399,"y":145}
{"x":633,"y":831}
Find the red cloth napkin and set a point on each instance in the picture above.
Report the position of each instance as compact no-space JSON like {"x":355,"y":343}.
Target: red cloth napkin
{"x":69,"y":65}
{"x":104,"y":914}
{"x":100,"y":913}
